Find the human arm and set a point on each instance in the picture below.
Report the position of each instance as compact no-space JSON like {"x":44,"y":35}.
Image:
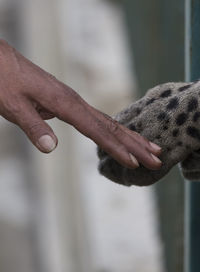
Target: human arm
{"x":29,"y":95}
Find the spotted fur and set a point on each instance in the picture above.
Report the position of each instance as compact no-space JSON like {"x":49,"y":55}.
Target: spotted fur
{"x":169,"y":116}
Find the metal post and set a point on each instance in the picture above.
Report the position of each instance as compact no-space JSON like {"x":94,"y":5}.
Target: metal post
{"x":192,"y":192}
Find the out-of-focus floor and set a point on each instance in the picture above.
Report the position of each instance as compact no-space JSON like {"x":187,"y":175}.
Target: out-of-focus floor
{"x":56,"y":212}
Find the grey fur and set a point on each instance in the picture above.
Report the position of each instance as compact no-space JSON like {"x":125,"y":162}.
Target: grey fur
{"x":168,"y":115}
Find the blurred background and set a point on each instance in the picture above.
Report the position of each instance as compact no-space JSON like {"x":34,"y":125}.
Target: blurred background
{"x":57,"y":214}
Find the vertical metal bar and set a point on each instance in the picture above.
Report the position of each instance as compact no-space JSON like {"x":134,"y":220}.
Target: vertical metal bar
{"x":192,"y":192}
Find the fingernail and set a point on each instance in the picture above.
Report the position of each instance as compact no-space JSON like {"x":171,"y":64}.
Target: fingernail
{"x":155,"y":146}
{"x":47,"y":143}
{"x":135,"y":162}
{"x":156,"y":159}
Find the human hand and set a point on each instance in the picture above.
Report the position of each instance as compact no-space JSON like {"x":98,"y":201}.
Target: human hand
{"x":29,"y":95}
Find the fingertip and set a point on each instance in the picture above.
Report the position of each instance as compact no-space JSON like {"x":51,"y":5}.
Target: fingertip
{"x":46,"y":143}
{"x":155,"y":149}
{"x":155,"y":153}
{"x":156,"y":159}
{"x":134,"y":162}
{"x":155,"y":146}
{"x":157,"y":163}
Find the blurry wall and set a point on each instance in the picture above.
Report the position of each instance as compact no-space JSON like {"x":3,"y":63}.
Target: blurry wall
{"x":18,"y":250}
{"x":62,"y":215}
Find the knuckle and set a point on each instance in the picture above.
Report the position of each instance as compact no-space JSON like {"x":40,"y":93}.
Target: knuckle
{"x":110,"y":126}
{"x":121,"y":149}
{"x":99,"y":124}
{"x":145,"y":140}
{"x":113,"y":126}
{"x":35,"y":128}
{"x":56,"y":102}
{"x":13,"y":106}
{"x":70,"y":92}
{"x":57,"y":98}
{"x":11,"y":109}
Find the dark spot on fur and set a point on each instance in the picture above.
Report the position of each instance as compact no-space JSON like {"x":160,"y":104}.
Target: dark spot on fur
{"x":132,"y":127}
{"x":181,"y":118}
{"x":173,"y":103}
{"x":196,"y":116}
{"x":169,"y":149}
{"x":139,"y":124}
{"x":180,"y":143}
{"x":112,"y":169}
{"x":193,"y":104}
{"x":197,"y":151}
{"x":158,"y":137}
{"x":101,"y":153}
{"x":166,"y":93}
{"x":187,"y":147}
{"x":150,"y":101}
{"x":175,"y":132}
{"x":162,"y":116}
{"x":126,"y":111}
{"x":138,"y":111}
{"x":165,"y":127}
{"x":167,"y":121}
{"x":181,"y":89}
{"x":193,"y":132}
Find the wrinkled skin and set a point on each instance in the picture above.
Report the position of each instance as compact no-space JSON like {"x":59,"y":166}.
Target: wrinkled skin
{"x":29,"y":95}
